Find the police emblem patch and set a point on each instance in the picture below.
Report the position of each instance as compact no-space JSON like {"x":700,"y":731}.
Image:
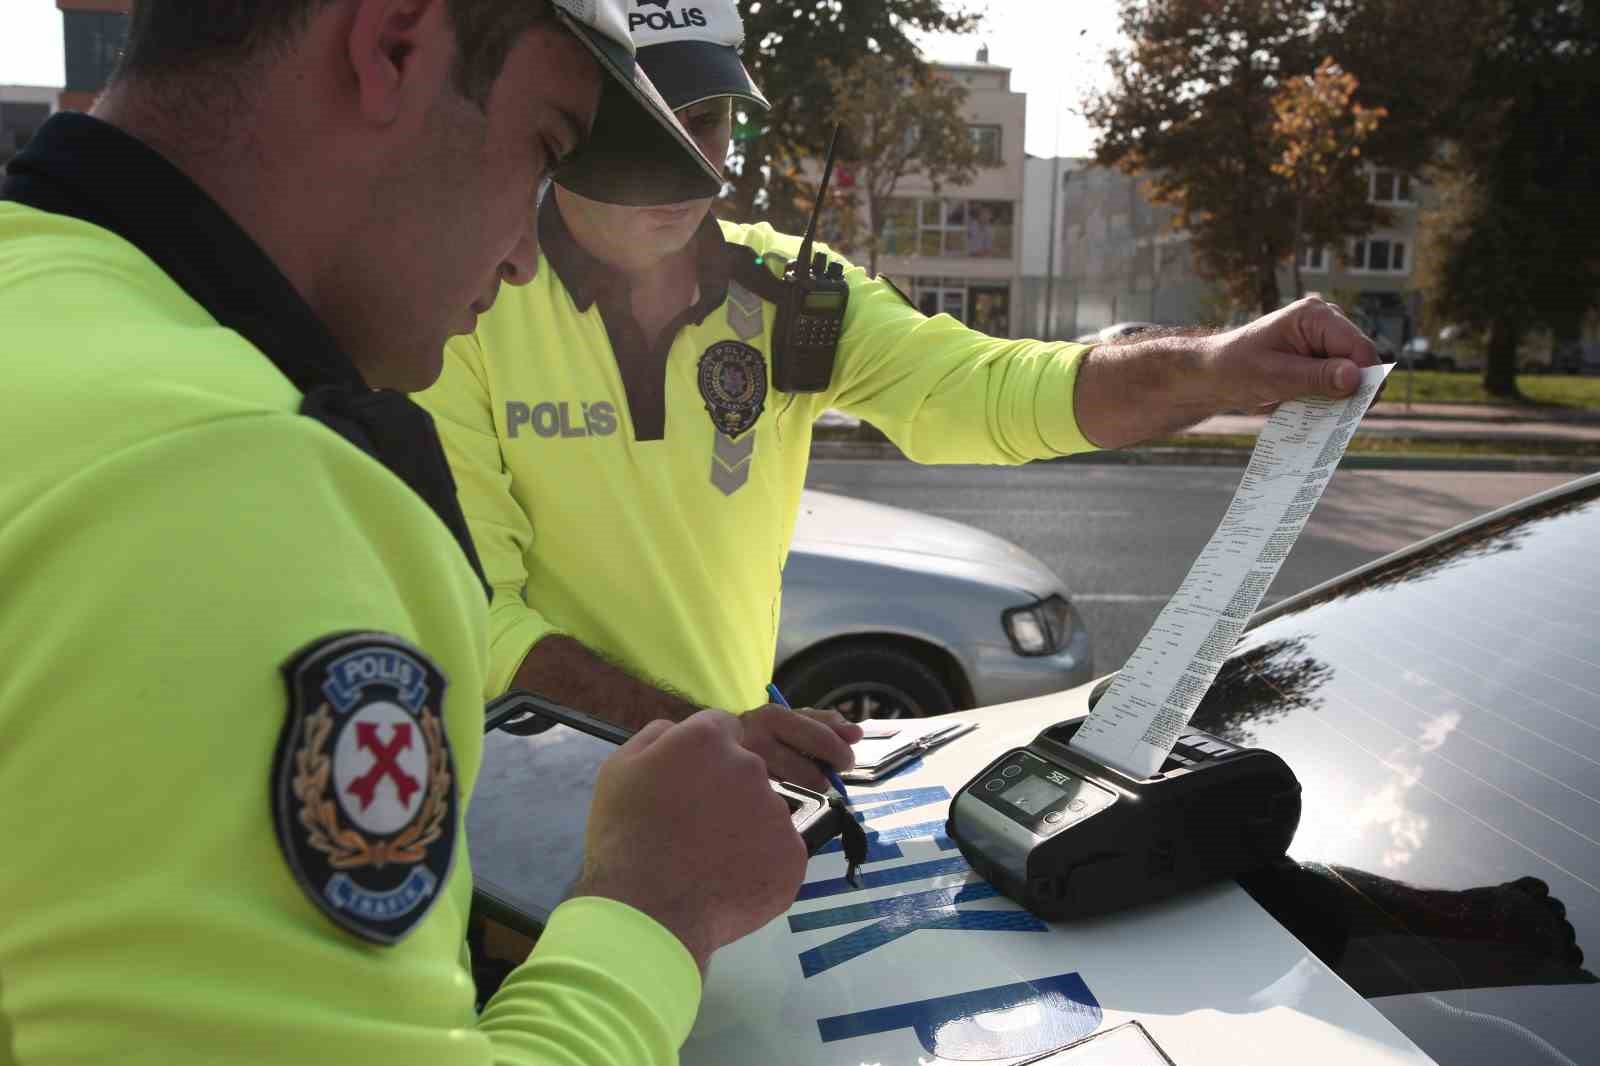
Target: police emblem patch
{"x":733,"y":382}
{"x":363,"y":785}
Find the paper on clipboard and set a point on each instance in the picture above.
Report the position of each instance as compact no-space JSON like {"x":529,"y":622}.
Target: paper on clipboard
{"x":1137,"y":721}
{"x":880,"y":729}
{"x":883,"y":748}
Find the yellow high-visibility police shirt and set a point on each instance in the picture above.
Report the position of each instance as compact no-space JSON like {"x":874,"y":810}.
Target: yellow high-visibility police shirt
{"x":172,"y":531}
{"x":605,"y":502}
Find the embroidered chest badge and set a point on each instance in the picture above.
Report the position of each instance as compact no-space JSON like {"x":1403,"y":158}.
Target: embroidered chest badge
{"x":733,"y":383}
{"x":363,"y":784}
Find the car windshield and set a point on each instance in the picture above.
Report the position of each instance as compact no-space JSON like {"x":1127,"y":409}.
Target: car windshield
{"x":1442,"y":711}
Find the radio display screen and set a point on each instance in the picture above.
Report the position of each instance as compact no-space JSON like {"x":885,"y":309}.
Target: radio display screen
{"x":824,"y":301}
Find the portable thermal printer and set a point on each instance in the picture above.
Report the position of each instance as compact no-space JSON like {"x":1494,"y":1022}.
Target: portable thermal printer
{"x":1068,"y":837}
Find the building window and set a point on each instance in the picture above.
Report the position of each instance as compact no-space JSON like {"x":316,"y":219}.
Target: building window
{"x":985,"y":306}
{"x":1379,"y":256}
{"x":1314,"y":260}
{"x":950,"y":229}
{"x":1391,"y":187}
{"x":94,"y":39}
{"x":899,"y":232}
{"x":989,"y":229}
{"x":944,"y":228}
{"x":940,"y":296}
{"x":989,"y":309}
{"x":986,"y":139}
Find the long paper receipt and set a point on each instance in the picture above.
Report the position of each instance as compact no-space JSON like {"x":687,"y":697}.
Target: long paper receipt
{"x":1137,"y":721}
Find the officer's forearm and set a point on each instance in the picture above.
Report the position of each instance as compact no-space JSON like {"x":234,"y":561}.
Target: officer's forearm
{"x":563,"y":669}
{"x":1144,"y":388}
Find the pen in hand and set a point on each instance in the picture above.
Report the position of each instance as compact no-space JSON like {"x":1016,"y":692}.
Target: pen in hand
{"x":827,"y":771}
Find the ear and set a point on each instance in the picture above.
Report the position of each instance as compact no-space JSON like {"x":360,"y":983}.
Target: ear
{"x":398,"y":51}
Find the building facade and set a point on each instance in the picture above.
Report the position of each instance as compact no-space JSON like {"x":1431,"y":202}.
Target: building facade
{"x":1375,"y":272}
{"x":1047,"y":306}
{"x":960,"y":251}
{"x":95,"y":31}
{"x":23,"y":109}
{"x":1122,"y":258}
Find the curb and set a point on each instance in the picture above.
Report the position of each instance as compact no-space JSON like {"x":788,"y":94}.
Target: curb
{"x":1532,"y":416}
{"x":1518,"y":464}
{"x":1485,"y":420}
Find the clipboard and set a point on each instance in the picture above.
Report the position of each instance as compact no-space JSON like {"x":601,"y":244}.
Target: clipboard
{"x":891,"y":743}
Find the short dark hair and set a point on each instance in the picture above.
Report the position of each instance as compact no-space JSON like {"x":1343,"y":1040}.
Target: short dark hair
{"x":168,"y":38}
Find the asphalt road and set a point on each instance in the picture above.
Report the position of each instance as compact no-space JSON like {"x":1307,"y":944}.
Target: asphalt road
{"x":1123,"y":536}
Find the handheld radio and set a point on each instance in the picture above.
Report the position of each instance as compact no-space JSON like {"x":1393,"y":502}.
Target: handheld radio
{"x":1068,"y":837}
{"x":805,"y":338}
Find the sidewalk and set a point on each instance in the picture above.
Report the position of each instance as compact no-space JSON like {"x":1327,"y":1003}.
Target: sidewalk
{"x":1427,"y":436}
{"x":1394,"y":407}
{"x":1448,"y":421}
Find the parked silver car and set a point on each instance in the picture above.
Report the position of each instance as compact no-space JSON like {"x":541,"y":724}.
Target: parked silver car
{"x":888,"y":613}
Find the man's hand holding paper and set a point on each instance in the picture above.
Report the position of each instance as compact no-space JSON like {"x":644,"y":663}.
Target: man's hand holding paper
{"x":1162,"y":381}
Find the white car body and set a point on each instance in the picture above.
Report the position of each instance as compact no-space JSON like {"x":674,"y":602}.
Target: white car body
{"x":1213,"y":979}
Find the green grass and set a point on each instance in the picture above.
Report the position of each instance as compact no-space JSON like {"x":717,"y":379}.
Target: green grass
{"x":1438,"y":386}
{"x":1581,"y":449}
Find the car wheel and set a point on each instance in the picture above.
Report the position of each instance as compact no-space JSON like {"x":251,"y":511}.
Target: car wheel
{"x":869,"y":681}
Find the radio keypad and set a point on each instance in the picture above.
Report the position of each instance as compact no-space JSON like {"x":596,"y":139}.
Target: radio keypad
{"x":812,"y":330}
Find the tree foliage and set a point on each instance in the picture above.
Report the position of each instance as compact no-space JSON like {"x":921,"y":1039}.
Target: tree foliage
{"x":787,"y":43}
{"x":899,"y":124}
{"x":1512,"y":244}
{"x":1191,"y":104}
{"x":1319,"y":129}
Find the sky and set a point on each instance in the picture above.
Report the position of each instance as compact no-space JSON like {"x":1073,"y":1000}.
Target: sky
{"x":1056,"y":50}
{"x":30,"y":43}
{"x":1054,"y":47}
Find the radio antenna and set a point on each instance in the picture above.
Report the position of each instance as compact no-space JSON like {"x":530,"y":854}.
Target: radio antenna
{"x":804,"y":260}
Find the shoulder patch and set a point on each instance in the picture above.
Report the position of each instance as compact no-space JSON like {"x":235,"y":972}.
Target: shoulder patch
{"x":364,"y":795}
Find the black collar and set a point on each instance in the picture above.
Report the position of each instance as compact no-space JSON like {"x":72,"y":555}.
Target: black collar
{"x":79,"y":166}
{"x":587,"y":279}
{"x":641,"y":364}
{"x":87,"y":169}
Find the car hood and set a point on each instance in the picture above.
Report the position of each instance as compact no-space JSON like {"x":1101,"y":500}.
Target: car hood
{"x":1437,"y":707}
{"x":843,"y":526}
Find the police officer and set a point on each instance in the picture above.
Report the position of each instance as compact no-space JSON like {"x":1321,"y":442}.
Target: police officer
{"x":245,"y":640}
{"x":631,"y":472}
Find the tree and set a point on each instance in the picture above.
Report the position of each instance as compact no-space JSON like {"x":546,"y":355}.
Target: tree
{"x":1512,"y":244}
{"x":1319,"y":130}
{"x":1191,"y":105}
{"x":786,"y":43}
{"x":899,"y":123}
